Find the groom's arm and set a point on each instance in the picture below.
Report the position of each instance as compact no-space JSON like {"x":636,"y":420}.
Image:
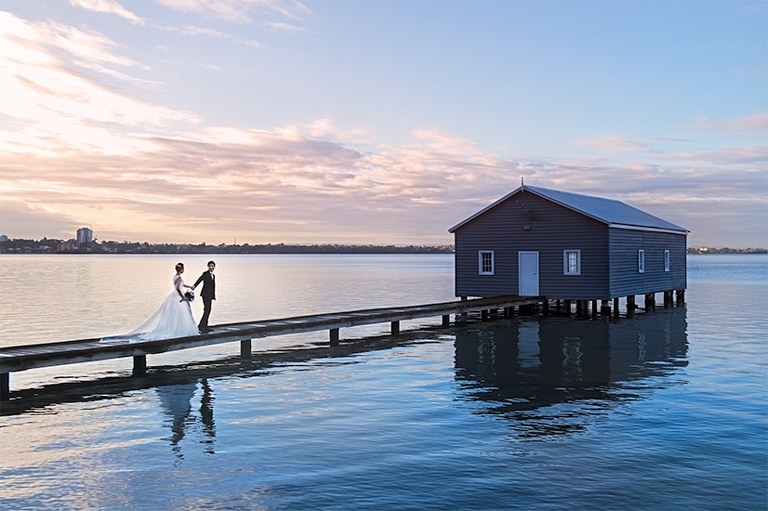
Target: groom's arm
{"x":200,"y":279}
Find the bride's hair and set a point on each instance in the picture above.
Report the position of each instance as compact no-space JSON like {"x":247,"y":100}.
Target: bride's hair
{"x":179,"y":266}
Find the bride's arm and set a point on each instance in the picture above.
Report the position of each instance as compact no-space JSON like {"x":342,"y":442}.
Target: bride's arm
{"x":179,"y":288}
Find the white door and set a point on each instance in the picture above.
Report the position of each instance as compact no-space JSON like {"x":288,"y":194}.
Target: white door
{"x":528,"y":265}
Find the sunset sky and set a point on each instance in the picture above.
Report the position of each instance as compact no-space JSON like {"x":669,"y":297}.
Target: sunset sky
{"x":378,"y":121}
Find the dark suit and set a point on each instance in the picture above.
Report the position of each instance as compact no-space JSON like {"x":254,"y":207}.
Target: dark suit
{"x":208,"y":294}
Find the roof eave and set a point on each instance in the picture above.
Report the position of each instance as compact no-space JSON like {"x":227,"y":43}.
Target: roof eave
{"x":647,"y":228}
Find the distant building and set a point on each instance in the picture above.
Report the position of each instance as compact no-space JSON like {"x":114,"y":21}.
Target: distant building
{"x":84,"y":238}
{"x":68,"y":246}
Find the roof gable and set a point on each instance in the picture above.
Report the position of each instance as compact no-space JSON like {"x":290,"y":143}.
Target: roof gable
{"x":611,"y":212}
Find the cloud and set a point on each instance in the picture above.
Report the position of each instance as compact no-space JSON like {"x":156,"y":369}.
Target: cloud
{"x":757,"y":123}
{"x":285,"y":27}
{"x":612,"y":144}
{"x":239,"y":11}
{"x":194,"y":31}
{"x":57,"y":95}
{"x":108,"y":7}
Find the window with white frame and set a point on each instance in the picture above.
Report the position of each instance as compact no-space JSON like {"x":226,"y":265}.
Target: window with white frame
{"x":485,"y":262}
{"x":572,"y":262}
{"x":641,"y":261}
{"x":666,"y":260}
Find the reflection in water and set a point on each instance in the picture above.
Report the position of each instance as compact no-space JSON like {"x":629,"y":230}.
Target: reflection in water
{"x":554,"y":375}
{"x":176,"y":402}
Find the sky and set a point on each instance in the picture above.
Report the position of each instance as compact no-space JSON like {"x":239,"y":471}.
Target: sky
{"x":376,"y":121}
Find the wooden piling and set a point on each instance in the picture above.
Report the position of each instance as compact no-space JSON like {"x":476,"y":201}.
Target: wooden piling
{"x":245,"y":348}
{"x":650,"y":302}
{"x":334,"y":335}
{"x":631,"y":306}
{"x":5,"y":386}
{"x":139,"y":365}
{"x":605,"y":308}
{"x":395,"y":327}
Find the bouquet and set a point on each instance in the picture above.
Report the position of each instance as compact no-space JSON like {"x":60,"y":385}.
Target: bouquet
{"x":189,"y":295}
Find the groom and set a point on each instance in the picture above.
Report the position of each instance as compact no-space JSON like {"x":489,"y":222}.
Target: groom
{"x":208,"y":294}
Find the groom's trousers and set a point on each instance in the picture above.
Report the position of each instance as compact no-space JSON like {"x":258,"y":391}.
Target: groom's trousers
{"x":207,"y":303}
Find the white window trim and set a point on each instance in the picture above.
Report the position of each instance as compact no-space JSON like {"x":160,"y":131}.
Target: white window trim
{"x":565,"y":262}
{"x":480,"y":254}
{"x":667,"y":260}
{"x":641,"y":261}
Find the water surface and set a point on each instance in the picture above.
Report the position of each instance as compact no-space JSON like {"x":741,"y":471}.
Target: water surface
{"x":661,"y":411}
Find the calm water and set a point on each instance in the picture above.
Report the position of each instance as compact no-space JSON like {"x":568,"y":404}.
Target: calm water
{"x":662,"y":411}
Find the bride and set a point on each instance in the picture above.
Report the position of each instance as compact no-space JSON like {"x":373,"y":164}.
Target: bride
{"x":172,"y":319}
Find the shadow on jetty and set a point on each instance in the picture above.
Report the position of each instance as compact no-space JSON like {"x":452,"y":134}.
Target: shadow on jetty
{"x":553,"y":376}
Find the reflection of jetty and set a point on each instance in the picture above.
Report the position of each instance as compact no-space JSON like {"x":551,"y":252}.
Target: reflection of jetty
{"x":20,"y":358}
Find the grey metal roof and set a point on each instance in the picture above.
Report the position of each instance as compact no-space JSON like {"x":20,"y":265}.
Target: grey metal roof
{"x":609,"y":211}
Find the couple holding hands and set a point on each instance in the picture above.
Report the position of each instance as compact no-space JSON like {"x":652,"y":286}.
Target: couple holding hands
{"x":174,"y":317}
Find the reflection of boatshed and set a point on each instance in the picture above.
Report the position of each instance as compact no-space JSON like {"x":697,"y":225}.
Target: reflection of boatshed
{"x":541,"y":242}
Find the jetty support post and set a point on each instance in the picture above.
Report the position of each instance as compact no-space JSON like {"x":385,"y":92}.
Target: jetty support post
{"x":650,"y":302}
{"x":5,"y":386}
{"x":245,"y":348}
{"x":395,"y":327}
{"x":139,"y":365}
{"x":668,"y":302}
{"x":605,"y":308}
{"x":446,"y":320}
{"x":680,"y":296}
{"x":616,"y":307}
{"x":631,"y":306}
{"x":334,"y":335}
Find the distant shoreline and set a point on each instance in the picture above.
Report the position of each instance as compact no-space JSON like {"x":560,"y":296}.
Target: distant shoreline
{"x":53,"y":246}
{"x":58,"y":247}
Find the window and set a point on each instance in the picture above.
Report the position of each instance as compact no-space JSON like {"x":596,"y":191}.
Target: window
{"x":641,"y":261}
{"x":485,"y":262}
{"x":571,"y":262}
{"x":666,"y":260}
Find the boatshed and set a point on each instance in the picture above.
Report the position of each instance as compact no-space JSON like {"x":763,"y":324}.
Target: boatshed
{"x":567,"y":246}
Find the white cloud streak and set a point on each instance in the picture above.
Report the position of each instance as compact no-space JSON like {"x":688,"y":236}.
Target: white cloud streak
{"x":239,"y":11}
{"x":108,"y":7}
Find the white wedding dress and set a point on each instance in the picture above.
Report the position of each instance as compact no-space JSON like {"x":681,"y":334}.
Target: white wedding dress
{"x":173,"y":319}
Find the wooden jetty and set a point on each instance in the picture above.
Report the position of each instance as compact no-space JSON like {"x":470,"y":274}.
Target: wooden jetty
{"x":21,"y":358}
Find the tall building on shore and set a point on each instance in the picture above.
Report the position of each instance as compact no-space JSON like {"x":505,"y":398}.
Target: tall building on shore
{"x":84,"y":237}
